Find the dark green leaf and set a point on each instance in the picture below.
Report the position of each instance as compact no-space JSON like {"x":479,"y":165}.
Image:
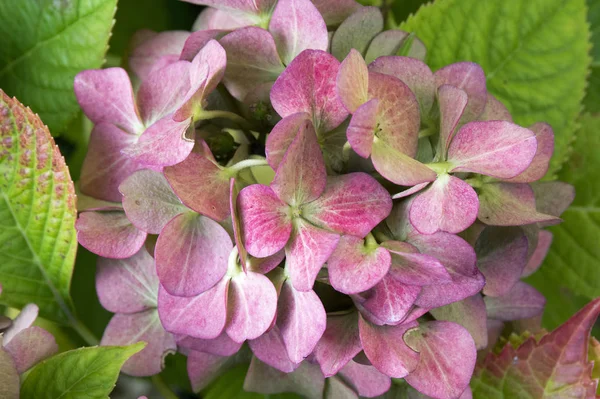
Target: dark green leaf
{"x":45,"y":43}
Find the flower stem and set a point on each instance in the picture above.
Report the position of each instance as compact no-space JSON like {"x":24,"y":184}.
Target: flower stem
{"x":205,"y":115}
{"x":163,"y":388}
{"x":84,"y":332}
{"x":246,"y":163}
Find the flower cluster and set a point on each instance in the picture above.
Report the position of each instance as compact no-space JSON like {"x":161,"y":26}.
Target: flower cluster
{"x":293,"y":187}
{"x":22,"y":346}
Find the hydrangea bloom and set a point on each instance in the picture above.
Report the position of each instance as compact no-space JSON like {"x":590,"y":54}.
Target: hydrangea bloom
{"x":22,"y":346}
{"x":388,"y":211}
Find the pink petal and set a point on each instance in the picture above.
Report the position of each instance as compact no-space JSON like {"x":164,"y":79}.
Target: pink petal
{"x":222,"y":345}
{"x":495,"y":148}
{"x":335,"y":11}
{"x":202,"y":316}
{"x":191,"y":254}
{"x":412,"y":72}
{"x":148,"y":201}
{"x":352,"y":82}
{"x":197,"y":40}
{"x":205,"y":73}
{"x":104,"y":167}
{"x":307,"y":251}
{"x":355,"y":266}
{"x":469,"y":77}
{"x":449,"y":204}
{"x":308,"y":85}
{"x":281,"y":136}
{"x":301,"y":319}
{"x":398,"y":167}
{"x":163,"y":91}
{"x":212,"y":18}
{"x":296,"y":25}
{"x":544,"y":136}
{"x":105,"y":95}
{"x":271,"y":349}
{"x":357,"y":31}
{"x":411,"y":267}
{"x":506,"y":204}
{"x":501,"y":257}
{"x":201,"y":184}
{"x":109,"y":234}
{"x":469,"y":313}
{"x":365,"y":380}
{"x":306,"y":380}
{"x":146,"y":54}
{"x":452,"y":102}
{"x":23,"y":321}
{"x":29,"y":347}
{"x":265,"y":222}
{"x":386,"y":349}
{"x":301,"y":176}
{"x":251,"y":306}
{"x":351,"y":204}
{"x":162,"y":144}
{"x":126,"y":329}
{"x":398,"y":113}
{"x":410,"y":191}
{"x":256,"y":7}
{"x":521,"y":302}
{"x":538,"y":256}
{"x":127,"y":285}
{"x":361,"y":130}
{"x":494,"y":110}
{"x":389,"y":302}
{"x":252,"y":60}
{"x":444,"y":371}
{"x":339,"y":344}
{"x":9,"y":377}
{"x":204,"y":368}
{"x":459,"y":259}
{"x":265,"y":265}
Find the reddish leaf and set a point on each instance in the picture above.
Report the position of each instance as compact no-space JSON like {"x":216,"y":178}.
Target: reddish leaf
{"x":555,"y":367}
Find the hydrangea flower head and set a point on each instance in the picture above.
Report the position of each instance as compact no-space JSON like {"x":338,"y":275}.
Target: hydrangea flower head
{"x":383,"y":211}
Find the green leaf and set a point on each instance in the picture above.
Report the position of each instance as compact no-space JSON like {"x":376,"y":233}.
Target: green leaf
{"x":592,"y":97}
{"x":401,"y":9}
{"x":534,"y":53}
{"x":89,"y":373}
{"x":230,"y":386}
{"x":556,"y":366}
{"x":37,"y":215}
{"x":45,"y":43}
{"x":571,"y":271}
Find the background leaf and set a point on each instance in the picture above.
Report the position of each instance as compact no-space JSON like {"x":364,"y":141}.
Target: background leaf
{"x":592,"y":97}
{"x":37,"y":215}
{"x":556,"y":366}
{"x":570,"y":273}
{"x":81,"y":373}
{"x":45,"y":43}
{"x":534,"y":53}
